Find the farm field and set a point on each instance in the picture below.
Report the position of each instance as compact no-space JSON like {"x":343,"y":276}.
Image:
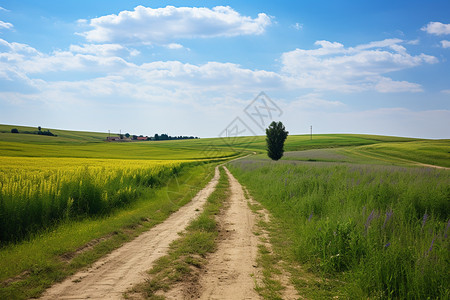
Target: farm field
{"x":66,"y":201}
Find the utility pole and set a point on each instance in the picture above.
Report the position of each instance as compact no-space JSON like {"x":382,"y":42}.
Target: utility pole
{"x":311,"y":131}
{"x":109,"y":133}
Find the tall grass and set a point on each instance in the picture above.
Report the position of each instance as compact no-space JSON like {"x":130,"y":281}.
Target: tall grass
{"x":38,"y":193}
{"x":384,"y":229}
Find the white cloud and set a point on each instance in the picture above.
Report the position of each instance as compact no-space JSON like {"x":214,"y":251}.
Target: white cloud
{"x":4,"y":9}
{"x":27,"y":60}
{"x":413,"y":42}
{"x":103,"y":74}
{"x":387,"y":85}
{"x":334,"y":67}
{"x":297,"y":26}
{"x":445,"y":91}
{"x":104,"y":50}
{"x":445,"y":44}
{"x":437,"y":28}
{"x":174,"y":46}
{"x":5,"y":25}
{"x":159,"y":25}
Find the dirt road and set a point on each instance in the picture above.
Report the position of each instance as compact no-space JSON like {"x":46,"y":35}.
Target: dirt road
{"x":112,"y":275}
{"x":229,"y":271}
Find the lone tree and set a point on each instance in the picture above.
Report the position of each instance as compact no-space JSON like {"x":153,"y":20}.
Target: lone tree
{"x":276,"y":135}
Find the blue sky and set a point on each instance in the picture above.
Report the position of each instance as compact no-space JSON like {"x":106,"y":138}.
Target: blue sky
{"x":378,"y":67}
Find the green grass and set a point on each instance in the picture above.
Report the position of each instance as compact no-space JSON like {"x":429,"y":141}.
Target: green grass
{"x":188,"y":253}
{"x":328,"y":175}
{"x":381,"y":230}
{"x":427,"y":152}
{"x":88,"y":144}
{"x":62,"y":135}
{"x":29,"y":267}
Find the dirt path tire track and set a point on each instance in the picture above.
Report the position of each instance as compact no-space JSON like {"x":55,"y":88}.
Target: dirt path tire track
{"x":228,"y":272}
{"x":112,"y":275}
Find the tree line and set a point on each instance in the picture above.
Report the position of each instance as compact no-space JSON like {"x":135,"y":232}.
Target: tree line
{"x":38,"y":132}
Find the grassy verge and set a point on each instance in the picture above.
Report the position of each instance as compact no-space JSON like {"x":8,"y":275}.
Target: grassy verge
{"x":187,"y":254}
{"x":362,"y":231}
{"x":29,"y":267}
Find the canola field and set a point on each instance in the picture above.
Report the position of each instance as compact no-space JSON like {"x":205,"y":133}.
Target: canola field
{"x":38,"y":192}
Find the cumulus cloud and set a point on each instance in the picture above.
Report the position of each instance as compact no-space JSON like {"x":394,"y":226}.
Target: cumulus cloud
{"x":445,"y":44}
{"x":159,"y":25}
{"x":437,"y":28}
{"x":87,"y":58}
{"x":332,"y":66}
{"x":104,"y":72}
{"x":5,"y":25}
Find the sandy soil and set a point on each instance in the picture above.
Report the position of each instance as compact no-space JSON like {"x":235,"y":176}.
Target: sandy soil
{"x":228,"y":274}
{"x":112,"y":275}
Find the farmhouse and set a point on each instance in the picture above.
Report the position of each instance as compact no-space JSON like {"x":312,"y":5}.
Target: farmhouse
{"x":142,"y":138}
{"x":113,"y":138}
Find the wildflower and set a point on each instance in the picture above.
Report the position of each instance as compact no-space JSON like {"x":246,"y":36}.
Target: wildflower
{"x":369,"y":220}
{"x":431,"y":246}
{"x":387,"y":245}
{"x":424,"y":220}
{"x":388,"y":217}
{"x":310,"y":216}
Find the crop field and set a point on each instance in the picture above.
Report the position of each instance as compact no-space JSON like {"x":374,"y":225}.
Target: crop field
{"x":381,"y":229}
{"x":36,"y":193}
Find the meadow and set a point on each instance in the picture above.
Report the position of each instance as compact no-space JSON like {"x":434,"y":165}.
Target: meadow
{"x":382,"y":230}
{"x":347,"y":206}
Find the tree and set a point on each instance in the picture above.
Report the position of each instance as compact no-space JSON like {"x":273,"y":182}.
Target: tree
{"x":127,"y":135}
{"x":39,"y":128}
{"x":276,"y":134}
{"x":14,"y":130}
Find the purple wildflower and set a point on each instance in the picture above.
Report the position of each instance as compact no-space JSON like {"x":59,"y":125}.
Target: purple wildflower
{"x":424,"y":220}
{"x":431,"y":246}
{"x":310,"y":216}
{"x":369,"y":219}
{"x":285,"y":182}
{"x":388,"y":217}
{"x":387,"y":245}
